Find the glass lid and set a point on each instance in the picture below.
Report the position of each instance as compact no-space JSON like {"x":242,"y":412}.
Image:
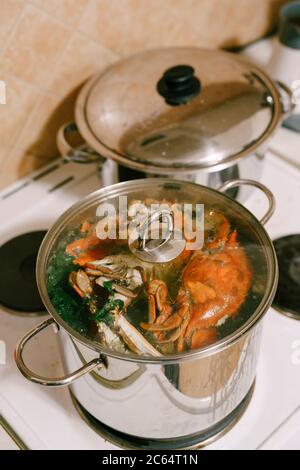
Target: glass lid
{"x":178,"y":109}
{"x":141,"y":277}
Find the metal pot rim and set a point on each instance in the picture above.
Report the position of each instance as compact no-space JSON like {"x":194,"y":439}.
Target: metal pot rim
{"x":222,"y":344}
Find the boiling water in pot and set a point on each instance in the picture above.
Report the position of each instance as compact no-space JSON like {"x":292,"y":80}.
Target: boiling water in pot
{"x":105,"y":293}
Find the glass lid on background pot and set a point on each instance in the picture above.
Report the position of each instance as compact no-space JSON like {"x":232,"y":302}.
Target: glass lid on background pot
{"x":143,"y":277}
{"x":178,"y":109}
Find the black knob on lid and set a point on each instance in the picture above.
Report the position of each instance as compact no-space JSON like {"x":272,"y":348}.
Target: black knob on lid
{"x":179,"y":85}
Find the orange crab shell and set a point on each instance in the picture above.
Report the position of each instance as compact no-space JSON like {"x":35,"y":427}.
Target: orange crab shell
{"x":88,"y":249}
{"x":218,"y":284}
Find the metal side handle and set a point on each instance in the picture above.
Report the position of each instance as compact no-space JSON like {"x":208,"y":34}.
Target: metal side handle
{"x":287,"y":99}
{"x":57,"y":381}
{"x":244,"y":182}
{"x":82,"y":154}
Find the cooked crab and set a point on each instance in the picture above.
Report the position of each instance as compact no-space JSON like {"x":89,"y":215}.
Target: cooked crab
{"x":214,"y":286}
{"x":120,"y":276}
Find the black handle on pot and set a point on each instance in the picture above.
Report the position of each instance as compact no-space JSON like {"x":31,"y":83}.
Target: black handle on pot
{"x":81,"y":154}
{"x":57,"y":381}
{"x":244,"y":182}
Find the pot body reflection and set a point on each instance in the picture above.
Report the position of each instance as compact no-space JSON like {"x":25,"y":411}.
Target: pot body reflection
{"x":165,"y":401}
{"x":249,"y":167}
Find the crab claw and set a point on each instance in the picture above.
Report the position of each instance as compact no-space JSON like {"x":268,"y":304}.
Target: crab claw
{"x":81,"y":283}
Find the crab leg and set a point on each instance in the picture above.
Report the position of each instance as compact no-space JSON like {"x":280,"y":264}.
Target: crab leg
{"x":173,"y":322}
{"x":151,"y":309}
{"x":178,"y":322}
{"x":96,"y":272}
{"x":157,"y":294}
{"x":99,"y":268}
{"x":124,"y":291}
{"x":117,"y":288}
{"x":134,"y":339}
{"x":142,"y":273}
{"x":160,"y":291}
{"x":178,"y":334}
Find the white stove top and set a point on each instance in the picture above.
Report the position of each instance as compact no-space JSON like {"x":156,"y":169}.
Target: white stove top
{"x":42,"y":418}
{"x":46,"y":419}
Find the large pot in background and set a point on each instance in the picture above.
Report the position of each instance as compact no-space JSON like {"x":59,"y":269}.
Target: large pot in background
{"x":189,"y":113}
{"x":172,"y":401}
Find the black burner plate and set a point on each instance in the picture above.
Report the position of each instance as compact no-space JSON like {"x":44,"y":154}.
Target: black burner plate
{"x":287,"y":297}
{"x":18,"y":288}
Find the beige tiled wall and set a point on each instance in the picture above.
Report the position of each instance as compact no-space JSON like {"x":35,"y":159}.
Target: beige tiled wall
{"x":49,"y":47}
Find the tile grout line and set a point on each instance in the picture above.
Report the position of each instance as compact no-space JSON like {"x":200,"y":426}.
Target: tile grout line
{"x":10,"y":34}
{"x":45,"y":91}
{"x":76,"y":29}
{"x":92,"y":38}
{"x":38,"y":89}
{"x":71,"y":29}
{"x":57,"y":18}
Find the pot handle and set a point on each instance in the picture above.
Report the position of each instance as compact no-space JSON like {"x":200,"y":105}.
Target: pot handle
{"x":82,"y":154}
{"x":58,"y":381}
{"x":244,"y":182}
{"x":287,"y":98}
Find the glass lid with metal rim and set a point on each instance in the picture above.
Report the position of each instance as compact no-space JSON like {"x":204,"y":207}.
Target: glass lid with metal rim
{"x":178,"y":110}
{"x":153,"y":277}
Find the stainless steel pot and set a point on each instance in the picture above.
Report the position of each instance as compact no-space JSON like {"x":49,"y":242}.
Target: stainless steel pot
{"x":175,"y":400}
{"x":207,"y":122}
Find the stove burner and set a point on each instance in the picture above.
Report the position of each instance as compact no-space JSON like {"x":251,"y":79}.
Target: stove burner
{"x":287,"y":298}
{"x":18,"y":289}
